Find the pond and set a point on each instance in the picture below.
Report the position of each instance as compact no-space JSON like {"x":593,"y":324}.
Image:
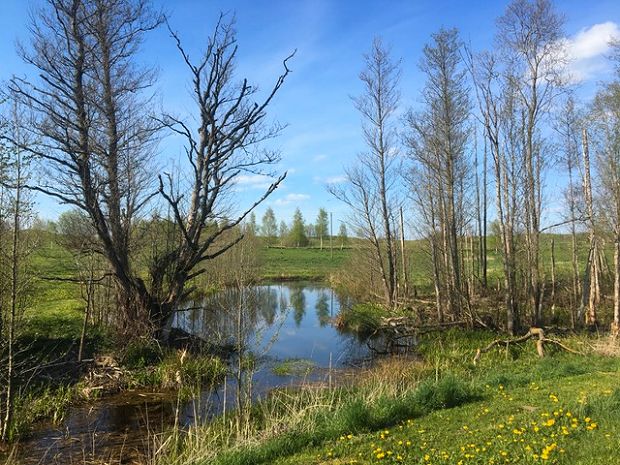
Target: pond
{"x":286,"y":328}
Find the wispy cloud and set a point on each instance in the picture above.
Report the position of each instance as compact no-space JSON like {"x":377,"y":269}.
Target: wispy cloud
{"x":586,"y":50}
{"x":291,"y":198}
{"x":252,"y":181}
{"x":339,"y":179}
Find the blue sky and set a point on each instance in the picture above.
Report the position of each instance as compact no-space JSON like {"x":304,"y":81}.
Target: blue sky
{"x":323,"y":132}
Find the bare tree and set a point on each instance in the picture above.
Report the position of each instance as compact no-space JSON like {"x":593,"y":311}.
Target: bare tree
{"x":568,"y":124}
{"x":232,"y":125}
{"x":92,"y":123}
{"x":529,"y":38}
{"x":438,"y":143}
{"x":18,"y":204}
{"x":482,"y":204}
{"x":496,"y":105}
{"x":371,"y":183}
{"x":97,"y":134}
{"x":606,"y":125}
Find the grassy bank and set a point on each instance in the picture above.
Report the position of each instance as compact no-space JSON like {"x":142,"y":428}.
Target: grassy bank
{"x":439,"y":409}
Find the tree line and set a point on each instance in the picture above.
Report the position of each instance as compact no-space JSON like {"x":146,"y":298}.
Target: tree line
{"x":299,"y":232}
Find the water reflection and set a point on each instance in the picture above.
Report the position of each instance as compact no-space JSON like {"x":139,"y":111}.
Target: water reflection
{"x":271,"y":323}
{"x":323,"y":309}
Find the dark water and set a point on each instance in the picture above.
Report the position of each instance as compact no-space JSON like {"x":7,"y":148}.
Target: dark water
{"x":271,"y":323}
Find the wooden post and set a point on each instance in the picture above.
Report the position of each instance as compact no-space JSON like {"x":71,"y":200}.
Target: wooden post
{"x":331,"y":235}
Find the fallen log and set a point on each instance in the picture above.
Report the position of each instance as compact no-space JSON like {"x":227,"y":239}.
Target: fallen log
{"x":533,"y":333}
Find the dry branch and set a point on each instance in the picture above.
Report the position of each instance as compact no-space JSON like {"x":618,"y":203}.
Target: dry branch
{"x":537,"y":333}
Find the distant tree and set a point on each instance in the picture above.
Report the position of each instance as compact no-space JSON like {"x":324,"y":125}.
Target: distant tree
{"x":322,"y":225}
{"x":250,"y":228}
{"x":297,"y":235}
{"x":269,"y":227}
{"x":343,"y":237}
{"x":310,"y":230}
{"x":283,"y":232}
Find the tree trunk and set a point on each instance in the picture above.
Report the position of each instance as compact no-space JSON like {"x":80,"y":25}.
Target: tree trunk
{"x":593,"y":278}
{"x":615,"y":326}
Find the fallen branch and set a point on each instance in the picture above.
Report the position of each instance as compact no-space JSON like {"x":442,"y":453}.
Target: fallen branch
{"x":537,"y":333}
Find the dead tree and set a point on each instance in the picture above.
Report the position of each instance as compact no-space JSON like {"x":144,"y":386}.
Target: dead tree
{"x":606,"y":126}
{"x":500,"y":123}
{"x":91,"y":121}
{"x":567,"y":124}
{"x":438,"y":139}
{"x":232,"y":125}
{"x":529,"y":36}
{"x":370,"y":186}
{"x":97,"y":134}
{"x":591,"y":288}
{"x":538,"y":334}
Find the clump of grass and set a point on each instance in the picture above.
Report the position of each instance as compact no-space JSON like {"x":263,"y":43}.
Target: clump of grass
{"x":447,"y":392}
{"x":362,"y":319}
{"x":47,"y":402}
{"x":142,"y":353}
{"x":293,"y":367}
{"x":179,"y":369}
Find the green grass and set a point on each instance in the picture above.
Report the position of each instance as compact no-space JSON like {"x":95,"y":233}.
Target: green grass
{"x":574,"y":422}
{"x":293,"y":367}
{"x":439,"y":409}
{"x":301,"y":263}
{"x":525,"y":414}
{"x":56,"y":307}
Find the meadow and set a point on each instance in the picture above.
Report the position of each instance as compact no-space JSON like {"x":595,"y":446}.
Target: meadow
{"x":432,"y":407}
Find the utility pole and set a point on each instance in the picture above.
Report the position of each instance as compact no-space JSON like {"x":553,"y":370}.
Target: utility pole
{"x":331,"y":236}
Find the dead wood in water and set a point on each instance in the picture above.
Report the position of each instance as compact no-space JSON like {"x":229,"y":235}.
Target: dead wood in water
{"x":537,"y":333}
{"x":398,"y":329}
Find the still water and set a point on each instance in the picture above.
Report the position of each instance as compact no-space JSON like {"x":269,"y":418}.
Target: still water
{"x":272,"y":323}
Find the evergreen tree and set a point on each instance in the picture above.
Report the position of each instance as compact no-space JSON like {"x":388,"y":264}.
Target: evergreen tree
{"x":250,"y":226}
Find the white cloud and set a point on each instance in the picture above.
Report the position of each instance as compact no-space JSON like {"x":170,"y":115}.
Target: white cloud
{"x":340,"y":179}
{"x":253,"y":181}
{"x":586,"y":50}
{"x":320,"y":157}
{"x":291,"y":198}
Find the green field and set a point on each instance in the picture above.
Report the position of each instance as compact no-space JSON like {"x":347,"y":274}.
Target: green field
{"x":301,"y":263}
{"x":56,"y":307}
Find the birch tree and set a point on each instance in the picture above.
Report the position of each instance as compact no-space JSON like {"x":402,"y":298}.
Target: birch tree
{"x":606,"y":125}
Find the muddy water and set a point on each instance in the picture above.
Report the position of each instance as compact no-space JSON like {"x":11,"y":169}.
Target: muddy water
{"x":273,"y":323}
